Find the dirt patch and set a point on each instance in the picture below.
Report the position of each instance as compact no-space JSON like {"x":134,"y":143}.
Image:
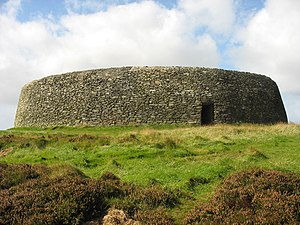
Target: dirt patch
{"x":5,"y":152}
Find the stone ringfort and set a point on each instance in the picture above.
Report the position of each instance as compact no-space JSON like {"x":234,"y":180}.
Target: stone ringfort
{"x":155,"y":95}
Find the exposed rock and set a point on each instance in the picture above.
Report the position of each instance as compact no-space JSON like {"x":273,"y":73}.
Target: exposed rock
{"x":116,"y":216}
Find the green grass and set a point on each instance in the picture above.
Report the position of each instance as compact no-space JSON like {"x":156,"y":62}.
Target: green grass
{"x":190,"y":158}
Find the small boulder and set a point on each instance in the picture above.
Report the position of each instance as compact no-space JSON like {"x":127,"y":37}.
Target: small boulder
{"x":116,"y":216}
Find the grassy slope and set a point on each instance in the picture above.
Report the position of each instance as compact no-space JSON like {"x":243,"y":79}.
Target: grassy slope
{"x":192,"y":159}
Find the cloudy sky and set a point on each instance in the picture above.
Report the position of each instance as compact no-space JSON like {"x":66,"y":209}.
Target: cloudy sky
{"x":40,"y":38}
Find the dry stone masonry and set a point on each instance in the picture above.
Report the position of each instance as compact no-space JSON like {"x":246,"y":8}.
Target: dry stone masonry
{"x":139,"y":95}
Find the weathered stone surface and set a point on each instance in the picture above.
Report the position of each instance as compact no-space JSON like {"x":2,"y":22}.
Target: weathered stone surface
{"x":115,"y":217}
{"x":137,"y":95}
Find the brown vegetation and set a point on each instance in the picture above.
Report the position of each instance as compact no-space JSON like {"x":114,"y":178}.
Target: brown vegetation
{"x":63,"y":195}
{"x":39,"y":195}
{"x":252,"y":197}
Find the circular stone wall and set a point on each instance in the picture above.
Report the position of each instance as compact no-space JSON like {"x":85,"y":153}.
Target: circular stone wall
{"x":138,"y":95}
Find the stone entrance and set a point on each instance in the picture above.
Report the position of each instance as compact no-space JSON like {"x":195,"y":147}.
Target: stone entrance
{"x":207,"y":114}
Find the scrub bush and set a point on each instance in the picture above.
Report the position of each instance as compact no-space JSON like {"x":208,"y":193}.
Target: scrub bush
{"x":252,"y":197}
{"x":63,"y":195}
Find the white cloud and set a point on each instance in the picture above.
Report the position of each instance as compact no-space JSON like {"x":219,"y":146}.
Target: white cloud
{"x":217,"y":15}
{"x":11,"y":7}
{"x":270,"y":44}
{"x":136,"y":34}
{"x":24,"y":48}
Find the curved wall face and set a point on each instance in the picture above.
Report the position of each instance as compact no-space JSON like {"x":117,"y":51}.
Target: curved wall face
{"x":136,"y":95}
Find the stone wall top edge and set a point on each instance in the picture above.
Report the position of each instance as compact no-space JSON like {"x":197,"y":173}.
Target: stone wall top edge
{"x":144,"y":68}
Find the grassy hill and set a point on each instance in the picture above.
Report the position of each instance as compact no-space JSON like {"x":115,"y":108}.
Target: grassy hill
{"x":190,"y":160}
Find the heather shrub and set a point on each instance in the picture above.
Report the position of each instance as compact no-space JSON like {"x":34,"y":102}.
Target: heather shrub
{"x":63,"y":195}
{"x":63,"y":200}
{"x":11,"y":175}
{"x":114,"y":187}
{"x":139,"y":203}
{"x":155,"y":196}
{"x":137,"y":198}
{"x":154,"y":217}
{"x":252,"y":197}
{"x":52,"y":195}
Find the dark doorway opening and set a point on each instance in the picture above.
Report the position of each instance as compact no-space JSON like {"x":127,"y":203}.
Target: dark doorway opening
{"x":207,"y":114}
